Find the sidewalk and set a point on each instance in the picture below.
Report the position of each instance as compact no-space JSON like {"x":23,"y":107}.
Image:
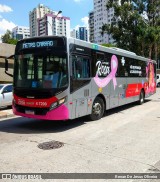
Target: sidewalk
{"x":6,"y":113}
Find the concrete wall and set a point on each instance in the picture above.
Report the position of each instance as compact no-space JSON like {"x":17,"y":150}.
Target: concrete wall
{"x":6,"y":50}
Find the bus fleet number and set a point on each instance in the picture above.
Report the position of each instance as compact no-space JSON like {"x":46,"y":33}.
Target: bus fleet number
{"x":41,"y":103}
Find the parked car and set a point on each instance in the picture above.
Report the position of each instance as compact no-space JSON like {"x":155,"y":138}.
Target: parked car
{"x":6,"y":95}
{"x":158,"y":80}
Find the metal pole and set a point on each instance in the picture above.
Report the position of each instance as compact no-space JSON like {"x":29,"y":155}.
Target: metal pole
{"x":59,"y":12}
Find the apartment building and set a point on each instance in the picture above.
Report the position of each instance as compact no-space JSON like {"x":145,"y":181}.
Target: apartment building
{"x":35,"y":14}
{"x":52,"y":24}
{"x":73,"y":33}
{"x":20,"y":32}
{"x":81,"y":33}
{"x":91,"y":26}
{"x":44,"y":21}
{"x":100,"y":16}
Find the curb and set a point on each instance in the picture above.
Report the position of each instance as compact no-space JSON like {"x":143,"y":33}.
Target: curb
{"x":5,"y":114}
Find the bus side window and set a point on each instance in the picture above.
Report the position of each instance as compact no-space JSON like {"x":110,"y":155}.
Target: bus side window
{"x":78,"y":70}
{"x":80,"y":67}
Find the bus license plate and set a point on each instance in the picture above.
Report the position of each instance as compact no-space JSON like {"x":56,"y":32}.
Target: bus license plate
{"x":29,"y":112}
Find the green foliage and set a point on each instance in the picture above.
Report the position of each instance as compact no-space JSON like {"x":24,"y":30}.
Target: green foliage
{"x":7,"y":38}
{"x":131,"y":30}
{"x":108,"y":45}
{"x":12,"y":41}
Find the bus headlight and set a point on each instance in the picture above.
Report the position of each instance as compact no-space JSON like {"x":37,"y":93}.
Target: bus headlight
{"x":53,"y":105}
{"x":58,"y":103}
{"x":61,"y":101}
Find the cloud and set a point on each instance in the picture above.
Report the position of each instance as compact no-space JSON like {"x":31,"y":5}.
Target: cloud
{"x":6,"y":25}
{"x":84,"y":21}
{"x":76,"y":27}
{"x":4,"y":8}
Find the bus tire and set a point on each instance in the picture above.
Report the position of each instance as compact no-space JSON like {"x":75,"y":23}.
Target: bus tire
{"x":97,"y":109}
{"x":141,"y":97}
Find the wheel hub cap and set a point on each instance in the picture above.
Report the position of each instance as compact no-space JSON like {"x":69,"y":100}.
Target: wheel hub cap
{"x":97,"y":109}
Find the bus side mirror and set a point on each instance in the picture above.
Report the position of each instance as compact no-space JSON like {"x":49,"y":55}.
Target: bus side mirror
{"x":6,"y":64}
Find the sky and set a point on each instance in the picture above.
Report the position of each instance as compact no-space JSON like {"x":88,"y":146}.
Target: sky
{"x":16,"y":12}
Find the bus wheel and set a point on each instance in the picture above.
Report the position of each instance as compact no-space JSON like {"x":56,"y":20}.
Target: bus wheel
{"x":141,"y":97}
{"x":97,"y":109}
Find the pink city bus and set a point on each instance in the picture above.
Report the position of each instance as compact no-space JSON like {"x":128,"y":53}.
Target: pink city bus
{"x":60,"y":78}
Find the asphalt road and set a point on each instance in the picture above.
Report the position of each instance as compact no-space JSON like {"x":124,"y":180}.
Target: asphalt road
{"x":126,"y":140}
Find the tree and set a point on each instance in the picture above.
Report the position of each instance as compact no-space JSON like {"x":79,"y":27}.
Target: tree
{"x":135,"y":26}
{"x":7,"y":38}
{"x":108,"y":45}
{"x":153,"y":29}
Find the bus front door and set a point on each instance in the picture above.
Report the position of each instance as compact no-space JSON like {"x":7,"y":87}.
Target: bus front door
{"x":80,"y":85}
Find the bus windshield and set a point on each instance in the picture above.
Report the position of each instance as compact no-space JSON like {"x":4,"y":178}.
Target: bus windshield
{"x":39,"y":70}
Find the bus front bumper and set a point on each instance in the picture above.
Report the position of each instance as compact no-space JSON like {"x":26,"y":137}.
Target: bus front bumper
{"x":60,"y":113}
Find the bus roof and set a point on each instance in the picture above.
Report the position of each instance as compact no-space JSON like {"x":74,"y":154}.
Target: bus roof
{"x":112,"y":50}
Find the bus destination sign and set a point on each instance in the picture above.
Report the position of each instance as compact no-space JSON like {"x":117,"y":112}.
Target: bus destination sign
{"x":39,"y":44}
